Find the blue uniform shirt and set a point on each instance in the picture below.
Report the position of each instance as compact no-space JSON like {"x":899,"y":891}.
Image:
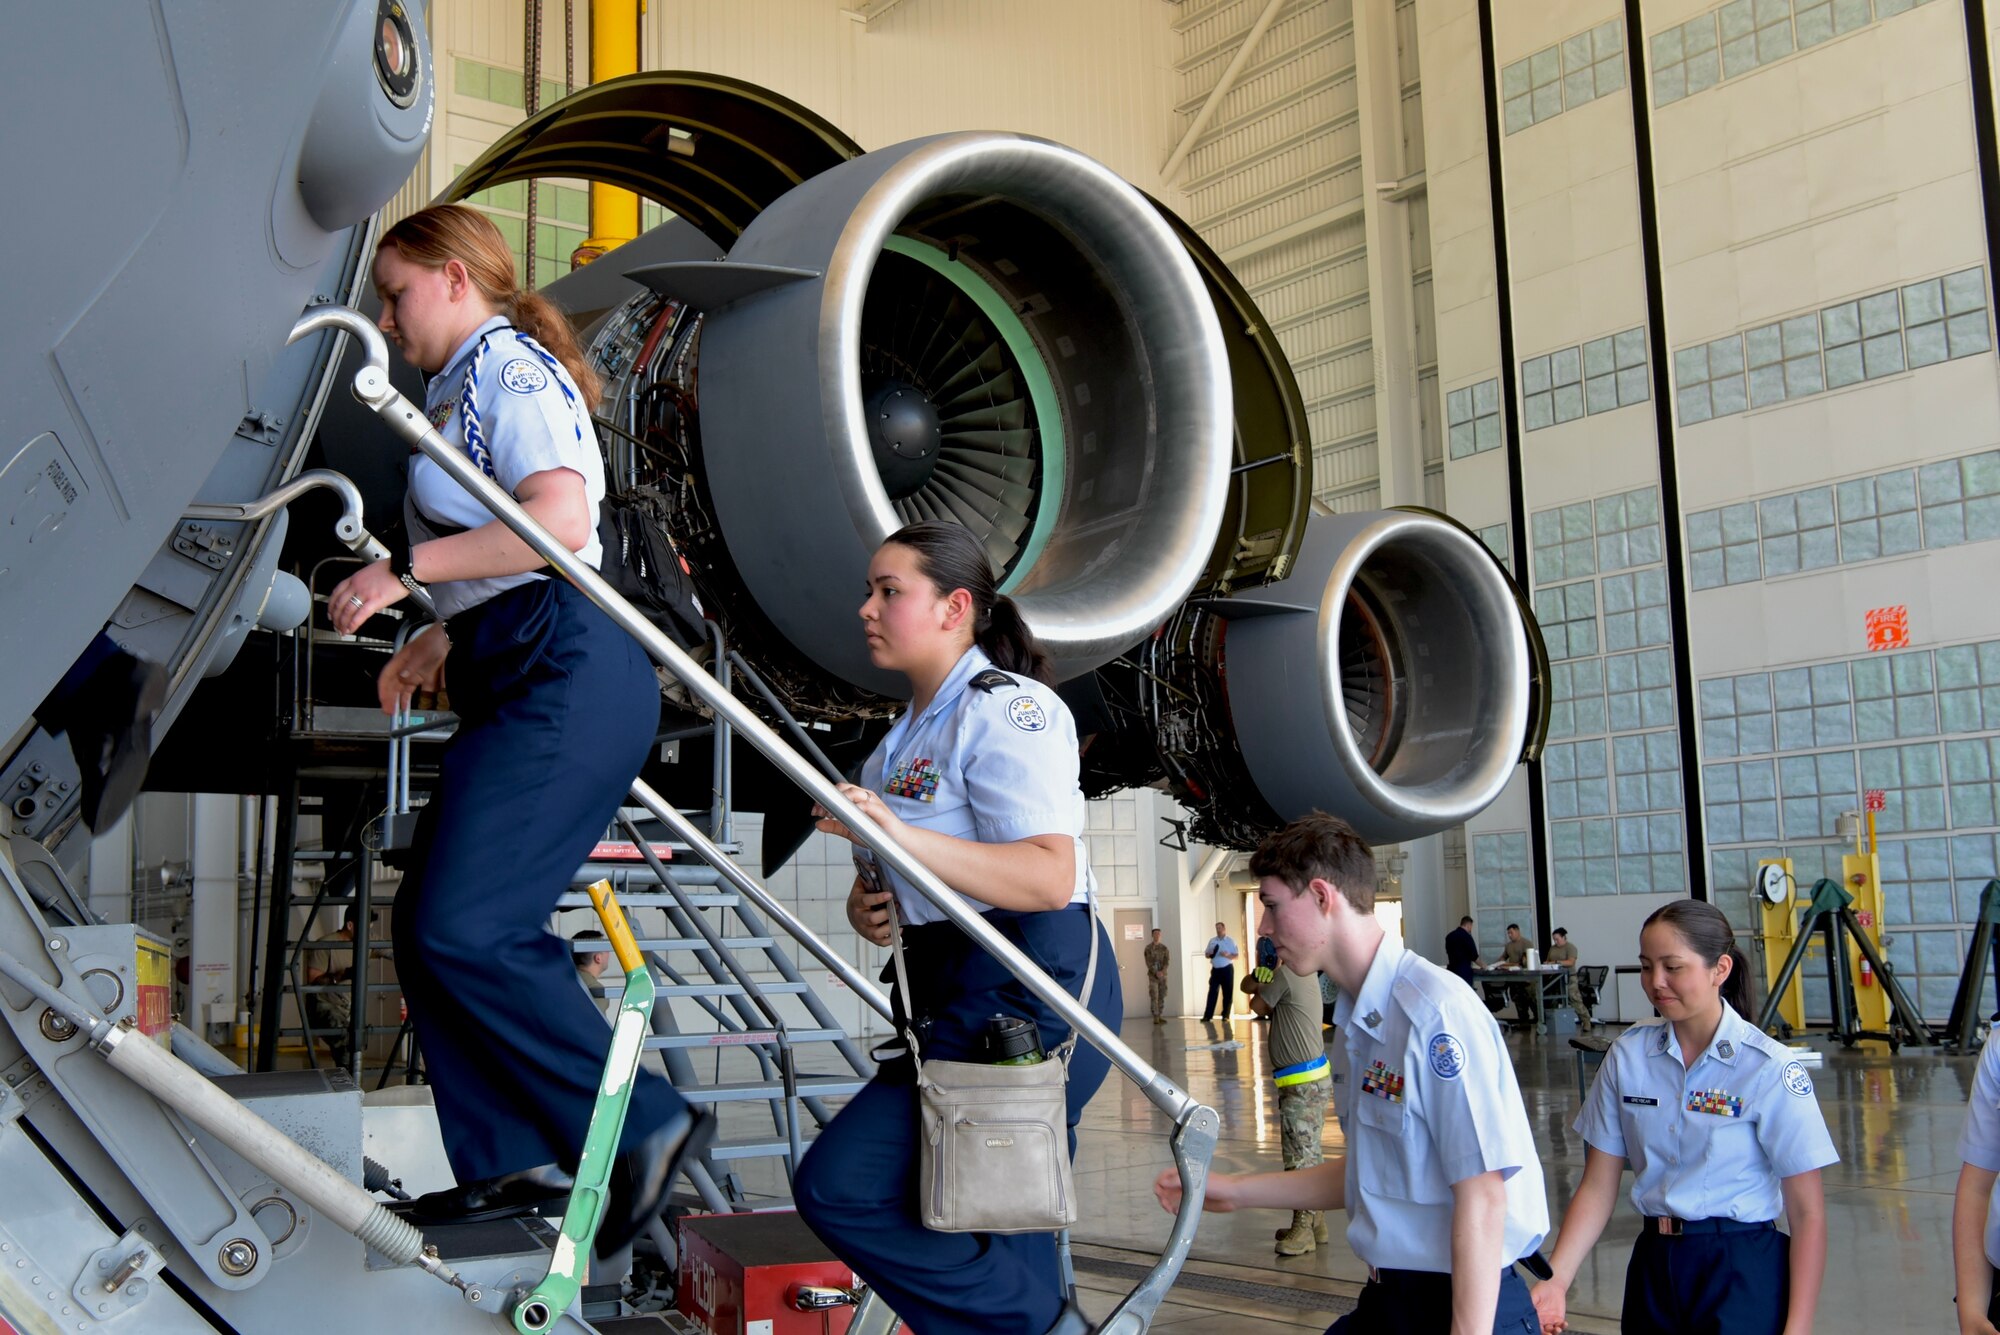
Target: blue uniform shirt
{"x":1979,"y":1143}
{"x":993,"y":758}
{"x":531,"y":418}
{"x":1710,"y":1141}
{"x":1427,"y":1097}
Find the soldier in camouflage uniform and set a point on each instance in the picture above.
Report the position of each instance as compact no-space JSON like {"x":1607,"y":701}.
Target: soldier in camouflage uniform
{"x":1298,"y":1061}
{"x":1157,"y":959}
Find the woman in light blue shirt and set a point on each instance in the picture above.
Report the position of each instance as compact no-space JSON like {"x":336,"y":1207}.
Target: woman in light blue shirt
{"x":978,"y":781}
{"x":1722,"y":1130}
{"x":1975,"y":1216}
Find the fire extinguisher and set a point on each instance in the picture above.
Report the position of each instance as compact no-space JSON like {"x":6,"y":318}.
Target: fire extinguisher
{"x":1867,"y":972}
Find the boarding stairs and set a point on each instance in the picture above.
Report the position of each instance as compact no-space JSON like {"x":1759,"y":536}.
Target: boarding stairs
{"x":161,"y":1193}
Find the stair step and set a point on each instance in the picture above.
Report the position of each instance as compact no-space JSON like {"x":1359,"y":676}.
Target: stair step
{"x":719,"y":989}
{"x":712,"y":899}
{"x":696,"y":943}
{"x":687,"y":873}
{"x":745,"y":1038}
{"x":739,"y":1091}
{"x":756,"y":1147}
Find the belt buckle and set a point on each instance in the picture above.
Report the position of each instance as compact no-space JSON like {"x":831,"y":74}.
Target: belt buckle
{"x":1669,"y":1227}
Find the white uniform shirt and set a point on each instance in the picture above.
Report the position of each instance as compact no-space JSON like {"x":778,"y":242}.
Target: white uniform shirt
{"x":1427,"y":1097}
{"x":1712,"y":1140}
{"x":993,"y":758}
{"x":532,"y":420}
{"x":1979,"y":1143}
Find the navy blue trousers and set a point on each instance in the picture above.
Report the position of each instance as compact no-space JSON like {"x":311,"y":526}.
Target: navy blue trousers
{"x":857,"y":1186}
{"x":1735,"y":1283}
{"x":1418,"y":1302}
{"x":557,"y":710}
{"x":1221,"y":988}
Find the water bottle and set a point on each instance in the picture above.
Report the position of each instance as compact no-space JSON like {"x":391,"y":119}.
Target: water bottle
{"x":1008,"y":1040}
{"x":1534,"y":958}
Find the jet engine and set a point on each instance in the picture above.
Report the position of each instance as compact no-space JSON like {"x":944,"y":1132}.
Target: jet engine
{"x":994,"y":330}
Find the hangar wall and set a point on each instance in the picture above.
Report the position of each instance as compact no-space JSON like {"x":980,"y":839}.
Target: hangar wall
{"x":1805,"y":321}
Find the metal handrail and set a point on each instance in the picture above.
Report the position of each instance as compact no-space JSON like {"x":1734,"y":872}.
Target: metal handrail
{"x":1196,"y":1126}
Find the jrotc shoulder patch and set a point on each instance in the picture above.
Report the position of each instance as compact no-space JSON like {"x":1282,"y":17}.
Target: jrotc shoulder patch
{"x":990,"y":680}
{"x":524,"y":377}
{"x":1797,"y":1081}
{"x":1447,"y":1056}
{"x":1026,"y":713}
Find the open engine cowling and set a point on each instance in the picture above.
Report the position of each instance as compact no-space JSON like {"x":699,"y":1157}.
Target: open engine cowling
{"x":982,"y":328}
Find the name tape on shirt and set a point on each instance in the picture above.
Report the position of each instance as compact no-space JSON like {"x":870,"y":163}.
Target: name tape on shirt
{"x":1717,"y":1102}
{"x":916,"y":779}
{"x":1797,"y":1080}
{"x":1447,"y":1057}
{"x":524,"y":377}
{"x":1025,"y":712}
{"x":1642,"y":1101}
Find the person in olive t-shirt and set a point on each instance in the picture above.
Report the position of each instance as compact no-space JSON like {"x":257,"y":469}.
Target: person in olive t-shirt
{"x":1563,"y":953}
{"x":1299,"y":1064}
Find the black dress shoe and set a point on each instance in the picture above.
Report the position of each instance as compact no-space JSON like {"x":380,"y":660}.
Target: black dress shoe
{"x":644,"y":1174}
{"x":499,"y":1197}
{"x":108,"y":721}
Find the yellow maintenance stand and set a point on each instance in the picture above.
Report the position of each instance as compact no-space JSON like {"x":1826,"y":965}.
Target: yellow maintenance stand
{"x":1842,"y":924}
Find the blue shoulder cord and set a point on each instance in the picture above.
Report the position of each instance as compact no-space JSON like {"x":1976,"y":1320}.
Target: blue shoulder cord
{"x":468,"y":396}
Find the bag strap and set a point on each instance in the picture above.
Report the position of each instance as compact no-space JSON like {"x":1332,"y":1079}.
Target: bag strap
{"x":1063,"y":1050}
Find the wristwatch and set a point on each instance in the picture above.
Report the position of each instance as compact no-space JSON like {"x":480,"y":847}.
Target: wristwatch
{"x":400,"y":560}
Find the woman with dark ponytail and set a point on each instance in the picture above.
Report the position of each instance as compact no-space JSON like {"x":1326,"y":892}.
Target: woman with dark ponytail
{"x":978,"y":781}
{"x":1721,"y":1127}
{"x":557,"y":710}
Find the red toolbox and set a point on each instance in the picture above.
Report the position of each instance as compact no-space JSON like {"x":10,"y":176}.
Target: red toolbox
{"x":741,"y":1274}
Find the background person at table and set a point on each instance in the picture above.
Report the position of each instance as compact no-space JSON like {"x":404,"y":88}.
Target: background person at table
{"x":1525,"y":996}
{"x":1221,"y":952}
{"x":1461,"y":951}
{"x":1563,"y":955}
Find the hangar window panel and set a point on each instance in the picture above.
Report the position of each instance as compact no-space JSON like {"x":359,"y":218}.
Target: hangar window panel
{"x":1628,"y":529}
{"x":1742,"y":802}
{"x":1975,"y":860}
{"x":1576,"y":697}
{"x":1822,"y":20}
{"x":1799,"y":532}
{"x":1501,"y":876}
{"x":1472,"y":417}
{"x":1568,"y":616}
{"x":1709,"y":380}
{"x":1646,"y":772}
{"x":1814,"y":707}
{"x":1916,"y":881}
{"x":1563,"y":543}
{"x":1577,"y":782}
{"x":470,"y":78}
{"x":1649,"y":855}
{"x":1912,"y":780}
{"x":1974,"y":767}
{"x":1894,"y":696}
{"x":1816,"y":789}
{"x":1736,"y":715}
{"x":1583,"y":857}
{"x":1961,"y":500}
{"x":1878,"y":516}
{"x":1968,"y":679}
{"x":1497,"y":542}
{"x":1639,"y":690}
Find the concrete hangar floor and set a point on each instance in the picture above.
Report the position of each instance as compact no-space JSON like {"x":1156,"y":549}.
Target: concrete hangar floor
{"x":1895,"y":1120}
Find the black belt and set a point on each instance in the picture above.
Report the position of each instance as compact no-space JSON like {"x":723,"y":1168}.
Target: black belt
{"x":1669,"y":1227}
{"x":1534,"y":1263}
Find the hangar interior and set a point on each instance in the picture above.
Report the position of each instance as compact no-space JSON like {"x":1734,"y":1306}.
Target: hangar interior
{"x":1682,"y":312}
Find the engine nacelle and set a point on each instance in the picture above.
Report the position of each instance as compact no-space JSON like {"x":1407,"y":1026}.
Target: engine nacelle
{"x":1388,"y":679}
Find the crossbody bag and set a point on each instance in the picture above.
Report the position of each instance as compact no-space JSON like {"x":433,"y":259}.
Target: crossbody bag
{"x":995,"y":1151}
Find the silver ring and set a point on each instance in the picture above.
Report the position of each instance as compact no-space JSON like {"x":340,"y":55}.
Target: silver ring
{"x":356,"y":599}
